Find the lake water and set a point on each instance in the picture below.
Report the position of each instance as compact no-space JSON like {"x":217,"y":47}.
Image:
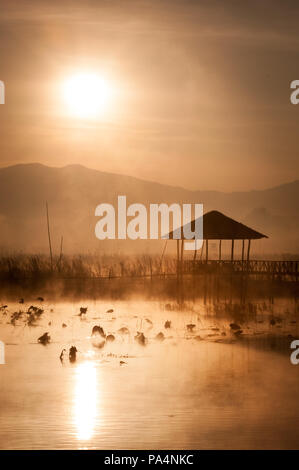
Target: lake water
{"x":205,"y":389}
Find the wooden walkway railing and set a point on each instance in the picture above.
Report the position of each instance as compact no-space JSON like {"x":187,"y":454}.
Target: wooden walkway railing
{"x":288,"y":270}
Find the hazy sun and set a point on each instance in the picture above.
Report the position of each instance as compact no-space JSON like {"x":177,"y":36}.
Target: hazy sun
{"x":86,"y":95}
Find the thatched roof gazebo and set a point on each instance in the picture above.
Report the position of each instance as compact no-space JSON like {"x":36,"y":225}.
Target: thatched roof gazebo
{"x":217,"y":226}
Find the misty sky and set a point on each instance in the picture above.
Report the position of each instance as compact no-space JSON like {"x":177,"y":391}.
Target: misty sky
{"x":201,"y":88}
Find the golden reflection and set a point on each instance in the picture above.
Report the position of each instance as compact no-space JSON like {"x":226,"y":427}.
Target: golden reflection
{"x":85,"y":409}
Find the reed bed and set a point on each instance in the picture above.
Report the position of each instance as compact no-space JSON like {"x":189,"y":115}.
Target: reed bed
{"x":18,"y":267}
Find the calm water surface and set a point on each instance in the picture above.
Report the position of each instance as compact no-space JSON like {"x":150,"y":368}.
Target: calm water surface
{"x":216,"y":391}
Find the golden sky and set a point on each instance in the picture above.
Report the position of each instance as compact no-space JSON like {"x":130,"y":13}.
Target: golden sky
{"x":200,"y":90}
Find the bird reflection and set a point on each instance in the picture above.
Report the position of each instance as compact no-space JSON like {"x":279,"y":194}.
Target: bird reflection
{"x":85,"y":402}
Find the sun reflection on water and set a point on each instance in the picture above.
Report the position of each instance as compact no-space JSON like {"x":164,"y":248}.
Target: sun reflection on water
{"x":85,"y":406}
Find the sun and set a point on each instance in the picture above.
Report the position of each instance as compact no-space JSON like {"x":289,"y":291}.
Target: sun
{"x":86,"y":95}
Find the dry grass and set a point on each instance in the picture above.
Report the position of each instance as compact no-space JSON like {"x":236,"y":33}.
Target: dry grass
{"x":20,"y":267}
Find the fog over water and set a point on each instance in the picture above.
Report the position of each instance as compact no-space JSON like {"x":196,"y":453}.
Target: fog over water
{"x":200,"y":385}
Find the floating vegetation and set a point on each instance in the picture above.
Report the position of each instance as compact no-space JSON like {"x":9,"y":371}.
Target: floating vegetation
{"x":73,"y":353}
{"x":140,"y":338}
{"x":160,"y":336}
{"x":98,"y":330}
{"x":110,"y":338}
{"x":44,"y":339}
{"x":190,"y":327}
{"x":83,"y":311}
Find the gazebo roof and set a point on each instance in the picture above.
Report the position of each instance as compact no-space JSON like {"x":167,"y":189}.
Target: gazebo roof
{"x":217,"y":226}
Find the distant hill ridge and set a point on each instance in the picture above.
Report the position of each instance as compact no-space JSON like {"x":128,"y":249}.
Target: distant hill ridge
{"x":73,"y":192}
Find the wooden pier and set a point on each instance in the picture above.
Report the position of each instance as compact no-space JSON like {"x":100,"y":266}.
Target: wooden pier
{"x":266,"y":269}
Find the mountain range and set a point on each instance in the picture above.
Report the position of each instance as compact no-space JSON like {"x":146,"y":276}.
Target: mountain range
{"x":74,"y":191}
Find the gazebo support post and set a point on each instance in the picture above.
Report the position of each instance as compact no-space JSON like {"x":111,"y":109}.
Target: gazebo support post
{"x":207,"y":250}
{"x":220,"y":250}
{"x":201,"y":251}
{"x":178,"y":256}
{"x":248,"y":252}
{"x":243,"y":247}
{"x":232,"y":253}
{"x":182,"y":256}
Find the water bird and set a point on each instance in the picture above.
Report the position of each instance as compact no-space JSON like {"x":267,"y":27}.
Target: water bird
{"x":64,"y":325}
{"x":44,"y":339}
{"x":40,"y":299}
{"x":140,"y":338}
{"x":73,"y":353}
{"x":167,"y":324}
{"x":149,"y":321}
{"x":21,"y":301}
{"x":190,"y":327}
{"x":110,"y":310}
{"x":235,"y":326}
{"x":121,"y":363}
{"x":3,"y":307}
